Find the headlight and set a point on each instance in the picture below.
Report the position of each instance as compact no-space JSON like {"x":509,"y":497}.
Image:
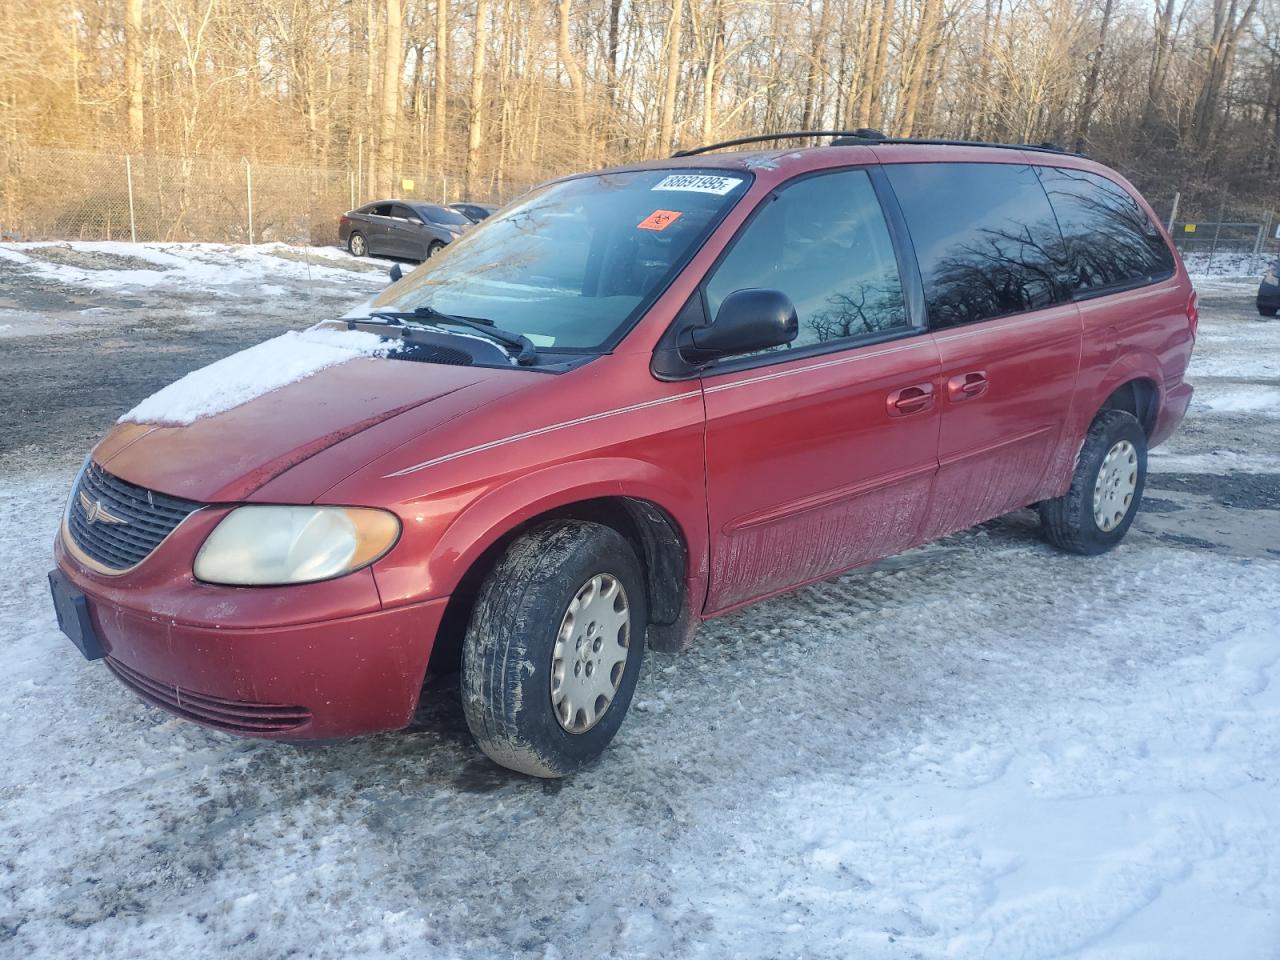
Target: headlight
{"x":259,"y":545}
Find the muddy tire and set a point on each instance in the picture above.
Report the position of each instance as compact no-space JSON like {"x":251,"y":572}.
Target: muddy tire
{"x":357,"y":246}
{"x":1106,"y":488}
{"x":553,"y":650}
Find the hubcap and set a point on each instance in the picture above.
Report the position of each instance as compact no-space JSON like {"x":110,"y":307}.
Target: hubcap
{"x":1116,"y":484}
{"x":590,"y":654}
{"x":357,"y":246}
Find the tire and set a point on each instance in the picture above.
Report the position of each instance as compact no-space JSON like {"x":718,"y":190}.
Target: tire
{"x":357,"y":246}
{"x":434,"y":247}
{"x":1097,"y":511}
{"x":522,"y":608}
{"x":1266,"y":311}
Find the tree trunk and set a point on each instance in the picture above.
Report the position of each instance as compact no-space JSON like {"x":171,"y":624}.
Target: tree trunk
{"x":930,"y":17}
{"x":392,"y":81}
{"x":666,"y":126}
{"x":1090,"y":99}
{"x":133,"y":69}
{"x":441,"y":108}
{"x":574,"y":70}
{"x":475,"y":129}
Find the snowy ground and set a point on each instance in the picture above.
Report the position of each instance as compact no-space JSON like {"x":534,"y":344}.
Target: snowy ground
{"x":981,"y":749}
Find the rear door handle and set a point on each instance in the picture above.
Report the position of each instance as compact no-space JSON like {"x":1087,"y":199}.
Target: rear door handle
{"x":966,"y":386}
{"x":909,"y":400}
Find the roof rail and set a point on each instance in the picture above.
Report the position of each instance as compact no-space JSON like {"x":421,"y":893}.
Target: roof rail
{"x":867,"y":137}
{"x":790,"y":135}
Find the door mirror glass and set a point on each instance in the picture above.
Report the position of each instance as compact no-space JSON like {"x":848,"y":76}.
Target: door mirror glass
{"x":748,"y":320}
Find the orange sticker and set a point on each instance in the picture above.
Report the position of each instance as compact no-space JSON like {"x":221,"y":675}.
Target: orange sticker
{"x":659,"y":220}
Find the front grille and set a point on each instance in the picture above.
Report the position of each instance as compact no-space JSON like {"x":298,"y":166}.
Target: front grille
{"x":118,"y":524}
{"x":234,"y":716}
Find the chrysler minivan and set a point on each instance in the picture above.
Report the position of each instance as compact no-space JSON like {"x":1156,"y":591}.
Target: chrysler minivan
{"x":628,"y":402}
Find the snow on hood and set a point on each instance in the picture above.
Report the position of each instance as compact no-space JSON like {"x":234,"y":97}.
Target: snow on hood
{"x":249,"y":374}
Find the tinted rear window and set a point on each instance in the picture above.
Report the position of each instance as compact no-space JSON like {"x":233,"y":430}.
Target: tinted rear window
{"x":443,"y":215}
{"x":1111,"y":242}
{"x":985,"y":238}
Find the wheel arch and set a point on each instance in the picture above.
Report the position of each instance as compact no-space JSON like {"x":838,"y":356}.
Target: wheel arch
{"x":668,"y":545}
{"x":1133,"y":384}
{"x":1140,"y":397}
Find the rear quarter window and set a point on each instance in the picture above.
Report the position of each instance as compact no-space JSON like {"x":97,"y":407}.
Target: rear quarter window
{"x":1111,"y":242}
{"x":985,"y":238}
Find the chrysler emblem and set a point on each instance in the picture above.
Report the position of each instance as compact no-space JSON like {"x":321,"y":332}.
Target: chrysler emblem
{"x":94,"y":511}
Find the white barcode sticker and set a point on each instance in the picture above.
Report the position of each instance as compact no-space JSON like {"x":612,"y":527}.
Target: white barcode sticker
{"x":697,"y":183}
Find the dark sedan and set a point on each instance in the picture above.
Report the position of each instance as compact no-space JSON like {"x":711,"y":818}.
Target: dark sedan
{"x":400,"y":228}
{"x":1269,"y":291}
{"x":475,"y":212}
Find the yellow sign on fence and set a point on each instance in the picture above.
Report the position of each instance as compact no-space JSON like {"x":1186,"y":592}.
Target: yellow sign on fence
{"x":406,"y":185}
{"x":1188,"y":228}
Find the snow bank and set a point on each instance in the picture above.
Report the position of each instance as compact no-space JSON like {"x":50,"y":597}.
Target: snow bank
{"x":249,"y":374}
{"x":212,"y":267}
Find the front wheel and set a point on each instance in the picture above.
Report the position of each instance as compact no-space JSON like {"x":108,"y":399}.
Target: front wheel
{"x":1266,"y":311}
{"x":1098,"y":508}
{"x":434,"y":247}
{"x":553,"y":650}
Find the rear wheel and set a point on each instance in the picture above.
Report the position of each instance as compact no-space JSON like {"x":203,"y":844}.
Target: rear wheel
{"x":356,"y":245}
{"x":553,"y":650}
{"x":1098,"y":508}
{"x":1266,"y":311}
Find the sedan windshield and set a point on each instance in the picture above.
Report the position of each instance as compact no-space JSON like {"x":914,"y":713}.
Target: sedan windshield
{"x":574,"y":264}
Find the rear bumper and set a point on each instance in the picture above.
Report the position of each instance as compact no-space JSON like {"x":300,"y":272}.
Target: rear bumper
{"x":332,"y":678}
{"x":1172,"y":410}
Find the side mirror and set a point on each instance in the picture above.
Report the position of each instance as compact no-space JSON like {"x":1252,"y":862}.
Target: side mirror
{"x":748,"y":320}
{"x":396,"y":272}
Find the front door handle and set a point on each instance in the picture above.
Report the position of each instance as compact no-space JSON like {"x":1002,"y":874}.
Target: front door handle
{"x":966,"y":386}
{"x":909,"y":400}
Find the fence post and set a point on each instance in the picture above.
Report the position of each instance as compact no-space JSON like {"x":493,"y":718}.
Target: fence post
{"x":359,"y":167}
{"x":1173,"y":213}
{"x":1217,"y":231}
{"x":1264,"y":231}
{"x":248,"y":186}
{"x":128,"y":176}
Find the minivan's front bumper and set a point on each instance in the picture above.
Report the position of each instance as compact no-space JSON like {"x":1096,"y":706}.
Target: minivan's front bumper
{"x":336,"y":677}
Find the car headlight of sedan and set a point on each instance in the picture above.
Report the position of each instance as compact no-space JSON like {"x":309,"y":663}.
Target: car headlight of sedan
{"x":275,"y":545}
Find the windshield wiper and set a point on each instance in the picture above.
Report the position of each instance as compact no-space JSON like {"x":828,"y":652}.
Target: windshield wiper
{"x":519,"y":346}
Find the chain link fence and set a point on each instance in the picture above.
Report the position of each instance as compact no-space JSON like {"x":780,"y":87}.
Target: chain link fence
{"x":57,"y":194}
{"x":1218,"y":231}
{"x":50,"y":193}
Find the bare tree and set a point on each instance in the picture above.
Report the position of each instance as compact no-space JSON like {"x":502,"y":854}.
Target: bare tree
{"x":133,"y":68}
{"x":475,"y":126}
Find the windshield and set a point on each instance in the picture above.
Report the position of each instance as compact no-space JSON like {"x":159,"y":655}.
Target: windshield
{"x":574,"y":264}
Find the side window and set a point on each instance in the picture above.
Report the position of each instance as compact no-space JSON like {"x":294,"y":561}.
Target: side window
{"x":381,"y":210}
{"x":405,"y":213}
{"x":1111,"y":242}
{"x":985,"y":238}
{"x":823,"y":242}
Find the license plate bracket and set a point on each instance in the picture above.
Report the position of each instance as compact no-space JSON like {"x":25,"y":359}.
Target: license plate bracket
{"x":73,"y":616}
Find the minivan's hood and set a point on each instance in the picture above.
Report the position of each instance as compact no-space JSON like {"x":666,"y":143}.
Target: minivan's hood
{"x":228,"y":455}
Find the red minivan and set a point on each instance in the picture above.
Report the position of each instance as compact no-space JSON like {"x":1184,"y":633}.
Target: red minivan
{"x":625,"y":403}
